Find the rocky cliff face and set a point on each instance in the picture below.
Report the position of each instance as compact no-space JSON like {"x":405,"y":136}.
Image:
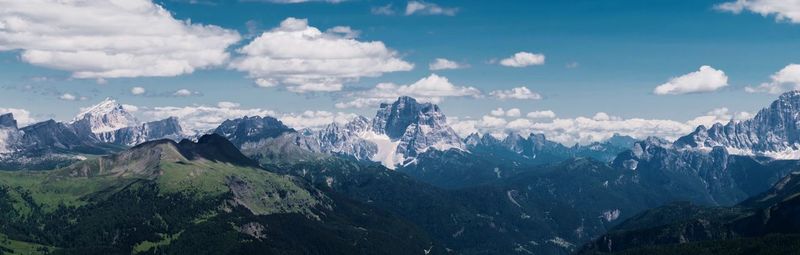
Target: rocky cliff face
{"x":106,"y":116}
{"x":168,"y":128}
{"x":9,"y":134}
{"x":251,"y":129}
{"x":109,"y":122}
{"x":7,"y":121}
{"x":773,"y":132}
{"x":417,"y":126}
{"x":348,"y":139}
{"x":720,"y":177}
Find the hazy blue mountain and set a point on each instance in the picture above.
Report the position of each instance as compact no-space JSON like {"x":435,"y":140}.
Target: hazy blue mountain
{"x":768,"y":223}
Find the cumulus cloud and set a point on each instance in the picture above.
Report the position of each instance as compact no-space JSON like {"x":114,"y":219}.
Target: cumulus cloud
{"x":426,"y":8}
{"x":784,"y":10}
{"x":784,"y":80}
{"x":706,"y":79}
{"x":433,"y":88}
{"x":226,"y":104}
{"x":67,"y":97}
{"x":383,"y":10}
{"x":585,"y":130}
{"x":513,"y":112}
{"x":130,"y":107}
{"x":185,"y":93}
{"x":523,"y":59}
{"x":204,"y":118}
{"x":22,"y":116}
{"x":201,"y":118}
{"x":305,"y":59}
{"x":547,"y":114}
{"x":301,"y":1}
{"x":138,"y":91}
{"x":315,"y":119}
{"x":516,"y":93}
{"x":444,"y":64}
{"x":110,"y":39}
{"x":719,"y":115}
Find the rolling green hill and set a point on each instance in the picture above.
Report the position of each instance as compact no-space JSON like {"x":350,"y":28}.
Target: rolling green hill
{"x":188,"y":198}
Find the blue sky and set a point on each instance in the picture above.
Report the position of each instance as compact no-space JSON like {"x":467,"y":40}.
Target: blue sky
{"x":601,"y":56}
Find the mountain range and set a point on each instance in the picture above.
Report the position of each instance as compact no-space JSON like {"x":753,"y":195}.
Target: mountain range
{"x":400,"y":182}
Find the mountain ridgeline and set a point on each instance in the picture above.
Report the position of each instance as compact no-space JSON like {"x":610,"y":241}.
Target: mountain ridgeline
{"x":402,"y":182}
{"x":189,"y":198}
{"x":101,"y":129}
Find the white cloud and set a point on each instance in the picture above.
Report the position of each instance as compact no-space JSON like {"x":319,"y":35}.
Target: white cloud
{"x":706,"y":79}
{"x":498,"y":112}
{"x":433,"y":88}
{"x":784,"y":80}
{"x":315,"y":119}
{"x":516,"y":93}
{"x":426,"y":8}
{"x":130,"y":108}
{"x":301,"y":1}
{"x":523,"y":59}
{"x":201,"y":118}
{"x":305,"y":59}
{"x":719,"y":115}
{"x":137,"y":90}
{"x":383,"y":10}
{"x":519,"y":124}
{"x":22,"y":116}
{"x":601,"y":116}
{"x":185,"y":93}
{"x":492,"y":122}
{"x":226,"y":104}
{"x":572,"y":65}
{"x":784,"y":10}
{"x":67,"y":97}
{"x":110,"y":39}
{"x":344,"y":31}
{"x":541,"y":114}
{"x":444,"y":64}
{"x":513,"y":112}
{"x":585,"y":130}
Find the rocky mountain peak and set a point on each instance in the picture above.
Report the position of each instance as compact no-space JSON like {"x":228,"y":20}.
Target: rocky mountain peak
{"x":216,"y":148}
{"x":103,"y":117}
{"x":416,"y":126}
{"x":774,"y":132}
{"x":393,"y":119}
{"x":251,"y":129}
{"x":7,"y":121}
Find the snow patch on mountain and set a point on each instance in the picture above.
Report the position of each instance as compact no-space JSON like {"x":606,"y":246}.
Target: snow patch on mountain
{"x":773,"y":132}
{"x":387,"y":149}
{"x":106,"y":116}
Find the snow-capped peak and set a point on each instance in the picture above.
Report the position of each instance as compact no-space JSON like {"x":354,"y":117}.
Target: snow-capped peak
{"x":105,"y":116}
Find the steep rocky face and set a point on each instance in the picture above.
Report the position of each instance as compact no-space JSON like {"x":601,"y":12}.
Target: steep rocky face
{"x":109,"y":122}
{"x":9,"y":134}
{"x":347,"y":139}
{"x":417,"y":126}
{"x":251,"y":129}
{"x":773,"y":132}
{"x":715,"y":176}
{"x":768,"y":221}
{"x":168,"y":128}
{"x":52,"y":135}
{"x":107,"y":116}
{"x":7,"y":121}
